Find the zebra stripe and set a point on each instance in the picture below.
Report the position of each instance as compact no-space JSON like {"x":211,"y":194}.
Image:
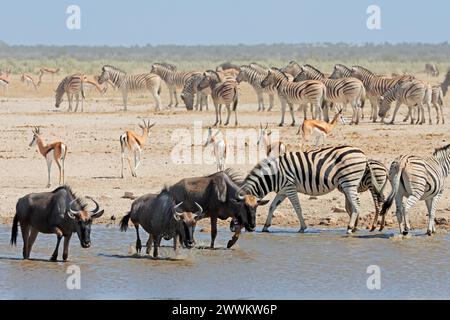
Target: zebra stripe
{"x":412,"y":93}
{"x":339,"y":91}
{"x":417,"y":178}
{"x":131,"y":83}
{"x":190,"y":89}
{"x":316,"y":172}
{"x":310,"y":91}
{"x":254,"y":76}
{"x":222,"y":92}
{"x":174,"y":79}
{"x":72,"y":86}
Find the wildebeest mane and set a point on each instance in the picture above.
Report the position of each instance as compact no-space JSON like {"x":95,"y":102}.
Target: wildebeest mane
{"x":69,"y":190}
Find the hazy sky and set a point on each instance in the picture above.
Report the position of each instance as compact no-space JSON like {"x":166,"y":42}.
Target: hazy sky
{"x":139,"y":22}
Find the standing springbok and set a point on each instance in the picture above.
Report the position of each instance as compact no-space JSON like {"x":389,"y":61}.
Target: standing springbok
{"x":44,"y":70}
{"x":134,"y":143}
{"x":220,"y":148}
{"x":319,"y":128}
{"x":28,"y":80}
{"x":53,"y":151}
{"x":276,"y":148}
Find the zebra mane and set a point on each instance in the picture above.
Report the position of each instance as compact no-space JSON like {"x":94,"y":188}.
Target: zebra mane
{"x":107,"y":66}
{"x":293,"y":62}
{"x":234,"y":176}
{"x":340,"y":65}
{"x":214,"y":73}
{"x":445,"y":149}
{"x":310,"y":69}
{"x":166,"y":65}
{"x":257,"y":66}
{"x":363,"y":69}
{"x":279,"y":72}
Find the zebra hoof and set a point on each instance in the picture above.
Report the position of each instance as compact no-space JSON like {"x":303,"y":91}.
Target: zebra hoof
{"x":349,"y":230}
{"x":405,"y":233}
{"x":429,"y":233}
{"x":265,"y":229}
{"x":302,"y":230}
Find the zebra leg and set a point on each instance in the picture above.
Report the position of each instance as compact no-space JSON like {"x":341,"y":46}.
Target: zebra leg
{"x":435,"y":106}
{"x":429,"y":114}
{"x":170,"y":95}
{"x":271,"y":102}
{"x":293,"y":197}
{"x":410,"y":202}
{"x":326,"y":112}
{"x":408,"y":115}
{"x":124,"y":98}
{"x":352,"y":197}
{"x":279,"y":198}
{"x":283,"y":111}
{"x":157,"y":98}
{"x":432,"y":206}
{"x":397,"y":106}
{"x":217,"y":114}
{"x":175,"y":95}
{"x":374,"y":108}
{"x":228,"y":114}
{"x":442,"y":114}
{"x":291,"y":110}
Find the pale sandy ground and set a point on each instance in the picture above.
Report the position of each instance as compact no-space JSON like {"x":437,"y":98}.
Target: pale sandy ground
{"x":93,"y":161}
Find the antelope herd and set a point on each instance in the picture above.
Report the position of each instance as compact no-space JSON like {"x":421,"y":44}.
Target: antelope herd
{"x":173,"y":213}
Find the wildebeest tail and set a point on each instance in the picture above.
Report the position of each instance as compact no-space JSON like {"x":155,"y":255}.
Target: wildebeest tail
{"x":14,"y":230}
{"x":124,"y":222}
{"x":395,"y":173}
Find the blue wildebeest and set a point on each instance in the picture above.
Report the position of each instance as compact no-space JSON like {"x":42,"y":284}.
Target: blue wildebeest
{"x":158,"y":215}
{"x":218,"y":195}
{"x":60,"y":212}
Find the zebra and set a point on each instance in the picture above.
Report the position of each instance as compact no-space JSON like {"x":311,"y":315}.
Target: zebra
{"x":174,"y":79}
{"x":130,"y":83}
{"x":293,"y":68}
{"x":381,"y":174}
{"x":431,"y":70}
{"x":413,"y":93}
{"x":417,"y":178}
{"x":254,"y":76}
{"x":310,"y":91}
{"x":315,"y":172}
{"x":375,"y":85}
{"x":445,"y":83}
{"x":339,"y":91}
{"x":437,"y":101}
{"x":222,"y":92}
{"x":190,"y":90}
{"x":72,"y":86}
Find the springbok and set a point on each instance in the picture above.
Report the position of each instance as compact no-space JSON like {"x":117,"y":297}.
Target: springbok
{"x":53,"y":151}
{"x":220,"y":148}
{"x":276,"y":148}
{"x":28,"y":80}
{"x":44,"y":70}
{"x":319,"y":128}
{"x":134,"y":143}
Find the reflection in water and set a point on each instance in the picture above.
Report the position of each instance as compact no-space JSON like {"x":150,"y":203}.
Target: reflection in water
{"x":283,"y":264}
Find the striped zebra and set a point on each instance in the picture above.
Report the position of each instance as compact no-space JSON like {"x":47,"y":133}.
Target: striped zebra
{"x":310,"y":91}
{"x":445,"y":83}
{"x":431,"y":70}
{"x":376,"y":85}
{"x":293,"y":68}
{"x":254,"y":76}
{"x":72,"y":86}
{"x":413,"y":93}
{"x":417,"y":179}
{"x":381,"y":175}
{"x":132,"y":83}
{"x":222,"y":92}
{"x":174,"y":79}
{"x":342,"y":91}
{"x":190,"y":91}
{"x":437,"y":101}
{"x":316,"y":172}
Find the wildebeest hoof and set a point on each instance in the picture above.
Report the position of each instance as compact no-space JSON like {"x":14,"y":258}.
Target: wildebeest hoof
{"x":53,"y":258}
{"x":302,"y":230}
{"x":65,"y":258}
{"x":265,"y":229}
{"x":230,"y":244}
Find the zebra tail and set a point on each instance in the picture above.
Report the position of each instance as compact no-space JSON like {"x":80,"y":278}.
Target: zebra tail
{"x":159,"y":90}
{"x":395,"y":173}
{"x":235,"y":102}
{"x":363,"y":98}
{"x":82,"y":90}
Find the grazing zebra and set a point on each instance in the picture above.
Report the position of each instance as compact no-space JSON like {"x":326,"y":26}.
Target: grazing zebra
{"x":437,"y":101}
{"x":413,"y":93}
{"x":431,"y":70}
{"x":174,"y":79}
{"x":446,"y":83}
{"x":339,"y":91}
{"x":375,"y":85}
{"x":222,"y":92}
{"x":417,"y":179}
{"x":28,"y":80}
{"x":72,"y":86}
{"x":254,"y":76}
{"x":381,"y":174}
{"x":310,"y":91}
{"x":190,"y":90}
{"x":132,"y":82}
{"x":316,"y":172}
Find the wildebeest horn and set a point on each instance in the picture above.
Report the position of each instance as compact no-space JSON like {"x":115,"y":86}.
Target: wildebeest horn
{"x":97,"y":207}
{"x":73,"y":213}
{"x":177,"y":206}
{"x":200,"y":209}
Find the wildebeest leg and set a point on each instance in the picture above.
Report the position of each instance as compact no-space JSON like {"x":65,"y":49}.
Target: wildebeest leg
{"x":235,"y":237}
{"x":279,"y":198}
{"x":55,"y":253}
{"x":213,"y":231}
{"x":138,"y":240}
{"x":175,"y":243}
{"x":66,"y":246}
{"x":156,"y":243}
{"x":149,"y":244}
{"x":25,"y":228}
{"x":33,"y":234}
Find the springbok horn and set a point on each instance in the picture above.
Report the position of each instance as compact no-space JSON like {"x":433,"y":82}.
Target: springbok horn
{"x":97,"y":207}
{"x":267,"y":125}
{"x":260,"y":125}
{"x":73,"y":212}
{"x":177,"y":206}
{"x":200,"y":209}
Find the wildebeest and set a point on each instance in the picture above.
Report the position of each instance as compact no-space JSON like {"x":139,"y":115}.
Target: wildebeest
{"x":158,"y":215}
{"x":218,"y":195}
{"x":59,"y":211}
